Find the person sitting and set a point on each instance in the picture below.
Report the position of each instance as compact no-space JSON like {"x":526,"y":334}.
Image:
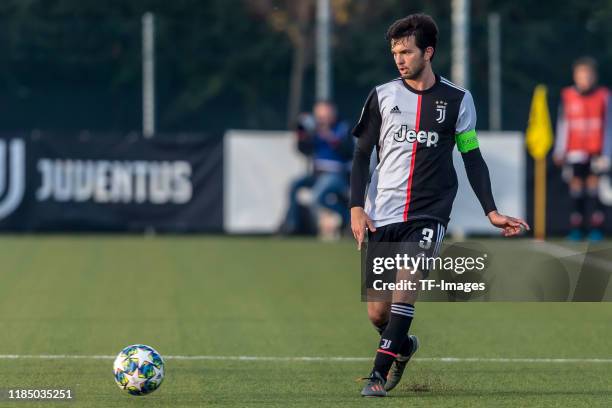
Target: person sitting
{"x":328,"y":143}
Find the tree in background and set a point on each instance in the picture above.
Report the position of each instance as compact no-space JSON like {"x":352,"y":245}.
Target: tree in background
{"x":73,"y":64}
{"x":297,"y":20}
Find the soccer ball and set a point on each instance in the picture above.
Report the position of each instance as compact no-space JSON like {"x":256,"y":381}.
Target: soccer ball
{"x":139,"y":369}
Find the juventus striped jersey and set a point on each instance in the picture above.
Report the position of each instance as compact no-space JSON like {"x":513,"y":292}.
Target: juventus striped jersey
{"x":414,"y":133}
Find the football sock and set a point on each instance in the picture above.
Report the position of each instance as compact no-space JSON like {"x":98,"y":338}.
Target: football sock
{"x":578,"y":203}
{"x":406,"y":345}
{"x":594,"y":208}
{"x":380,"y":329}
{"x":393,"y":336}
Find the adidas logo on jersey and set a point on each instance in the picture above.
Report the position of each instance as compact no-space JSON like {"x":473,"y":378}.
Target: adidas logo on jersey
{"x":395,"y":109}
{"x":422,"y":136}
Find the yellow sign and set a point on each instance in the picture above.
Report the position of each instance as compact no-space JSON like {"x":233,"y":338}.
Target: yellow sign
{"x":539,"y":135}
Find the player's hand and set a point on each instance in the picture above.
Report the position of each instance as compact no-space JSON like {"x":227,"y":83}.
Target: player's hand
{"x":558,"y":160}
{"x":359,"y":222}
{"x":510,"y":226}
{"x":600,"y":164}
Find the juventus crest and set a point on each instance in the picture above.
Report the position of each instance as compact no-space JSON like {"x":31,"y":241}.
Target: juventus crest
{"x":441,"y":110}
{"x":385,"y":344}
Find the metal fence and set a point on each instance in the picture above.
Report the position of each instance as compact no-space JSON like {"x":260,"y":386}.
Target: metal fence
{"x":216,"y":73}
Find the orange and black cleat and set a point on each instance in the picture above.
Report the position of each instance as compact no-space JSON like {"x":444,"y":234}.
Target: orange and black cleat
{"x":375,"y":386}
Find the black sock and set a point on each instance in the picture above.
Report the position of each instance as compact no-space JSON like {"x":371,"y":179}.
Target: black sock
{"x":406,"y":345}
{"x":594,"y":208}
{"x":578,"y":208}
{"x":393,"y":337}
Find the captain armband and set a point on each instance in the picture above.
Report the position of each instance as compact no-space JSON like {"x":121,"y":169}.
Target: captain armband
{"x":467,"y":141}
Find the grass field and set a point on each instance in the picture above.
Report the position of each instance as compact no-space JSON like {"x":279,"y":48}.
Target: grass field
{"x":218,"y":297}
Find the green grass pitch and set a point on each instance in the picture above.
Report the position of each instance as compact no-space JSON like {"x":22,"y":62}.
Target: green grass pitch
{"x":218,"y":296}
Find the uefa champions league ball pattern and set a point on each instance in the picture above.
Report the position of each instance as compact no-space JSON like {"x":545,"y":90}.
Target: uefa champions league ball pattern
{"x":139,"y":369}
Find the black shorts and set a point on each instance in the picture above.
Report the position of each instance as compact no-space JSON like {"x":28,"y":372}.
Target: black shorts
{"x":413,"y":238}
{"x":584,"y":170}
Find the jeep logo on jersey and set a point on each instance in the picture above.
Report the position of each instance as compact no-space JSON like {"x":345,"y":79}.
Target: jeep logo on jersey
{"x":422,"y":136}
{"x":441,"y":109}
{"x":12,"y":187}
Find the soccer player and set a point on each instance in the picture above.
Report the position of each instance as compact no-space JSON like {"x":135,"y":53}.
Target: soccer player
{"x":414,"y":122}
{"x":584,"y":145}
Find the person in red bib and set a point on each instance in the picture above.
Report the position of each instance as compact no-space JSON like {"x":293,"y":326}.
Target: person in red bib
{"x":583,"y":147}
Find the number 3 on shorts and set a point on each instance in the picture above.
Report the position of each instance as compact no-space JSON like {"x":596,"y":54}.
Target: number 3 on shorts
{"x":425,"y":243}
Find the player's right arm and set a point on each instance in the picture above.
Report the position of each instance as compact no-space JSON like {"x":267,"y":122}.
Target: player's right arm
{"x":367,"y":132}
{"x":561,"y":137}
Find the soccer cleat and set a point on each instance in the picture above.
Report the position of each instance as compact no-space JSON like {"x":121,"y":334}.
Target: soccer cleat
{"x":375,"y":386}
{"x":399,"y":365}
{"x":595,"y":235}
{"x":575,"y":235}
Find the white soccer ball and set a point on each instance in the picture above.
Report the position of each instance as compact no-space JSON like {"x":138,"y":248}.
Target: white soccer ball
{"x":139,"y":369}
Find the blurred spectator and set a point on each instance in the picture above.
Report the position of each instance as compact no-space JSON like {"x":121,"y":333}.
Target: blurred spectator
{"x":329,"y":145}
{"x":583,"y":146}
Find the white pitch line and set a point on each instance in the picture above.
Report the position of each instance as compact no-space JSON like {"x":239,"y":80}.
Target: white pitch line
{"x":315,"y":359}
{"x":514,"y":360}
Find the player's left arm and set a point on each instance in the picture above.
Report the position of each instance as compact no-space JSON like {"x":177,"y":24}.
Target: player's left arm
{"x":477,"y":170}
{"x":607,"y":134}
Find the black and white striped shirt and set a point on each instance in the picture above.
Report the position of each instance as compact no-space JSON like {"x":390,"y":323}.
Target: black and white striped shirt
{"x":414,"y":133}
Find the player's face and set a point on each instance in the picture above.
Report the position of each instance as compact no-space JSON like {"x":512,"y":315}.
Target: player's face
{"x":409,"y":59}
{"x":325,"y":114}
{"x":584,"y":77}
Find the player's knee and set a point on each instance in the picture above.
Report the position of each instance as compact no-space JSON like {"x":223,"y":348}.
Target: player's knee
{"x":576,"y":187}
{"x":378,"y":317}
{"x":592,"y":184}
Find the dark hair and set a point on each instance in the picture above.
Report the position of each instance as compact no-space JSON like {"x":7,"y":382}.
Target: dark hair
{"x":421,"y":26}
{"x":585,"y":61}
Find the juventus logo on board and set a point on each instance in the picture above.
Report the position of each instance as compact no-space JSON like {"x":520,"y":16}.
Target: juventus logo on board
{"x":441,"y":109}
{"x":11,"y":196}
{"x":385,"y":344}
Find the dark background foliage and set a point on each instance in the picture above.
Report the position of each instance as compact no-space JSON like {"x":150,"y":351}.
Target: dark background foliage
{"x":75,"y":64}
